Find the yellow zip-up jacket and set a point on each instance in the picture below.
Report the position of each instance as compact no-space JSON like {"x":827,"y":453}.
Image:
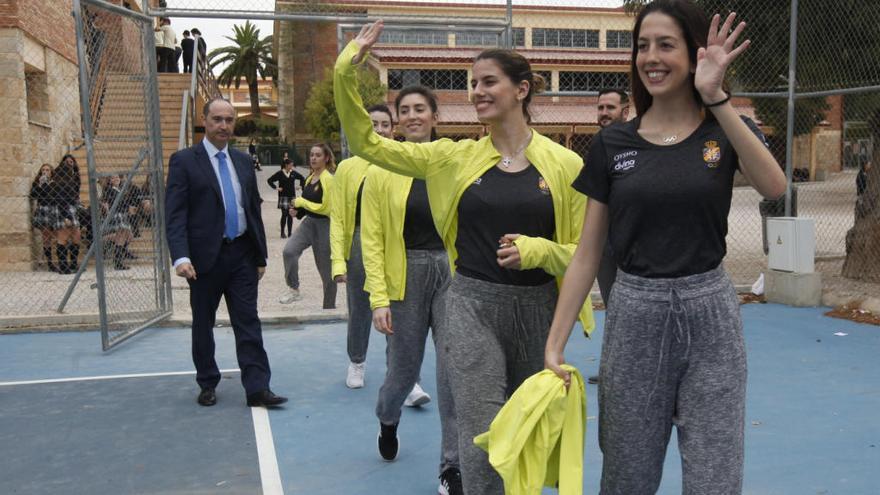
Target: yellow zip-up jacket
{"x":347,"y":181}
{"x":449,"y":167}
{"x":324,"y":207}
{"x":537,"y":438}
{"x":383,"y":212}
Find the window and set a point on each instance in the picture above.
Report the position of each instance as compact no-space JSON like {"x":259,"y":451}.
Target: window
{"x":401,"y":37}
{"x":565,"y":38}
{"x":432,"y":79}
{"x":592,"y":81}
{"x":478,"y":38}
{"x":37,"y":90}
{"x":618,"y":39}
{"x":519,"y":37}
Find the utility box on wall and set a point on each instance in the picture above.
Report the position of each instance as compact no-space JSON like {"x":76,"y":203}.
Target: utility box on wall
{"x":792,"y":242}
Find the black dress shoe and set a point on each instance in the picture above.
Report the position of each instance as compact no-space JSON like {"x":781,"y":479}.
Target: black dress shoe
{"x":265,"y":398}
{"x":207,"y":397}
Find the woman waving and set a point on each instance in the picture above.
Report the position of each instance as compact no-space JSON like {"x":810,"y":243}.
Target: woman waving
{"x":509,"y":220}
{"x":673,"y":348}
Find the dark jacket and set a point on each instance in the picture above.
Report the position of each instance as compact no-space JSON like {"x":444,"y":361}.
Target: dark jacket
{"x":194,"y":210}
{"x":287,"y":184}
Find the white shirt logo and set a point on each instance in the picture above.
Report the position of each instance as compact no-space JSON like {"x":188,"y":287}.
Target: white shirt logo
{"x":625,"y":161}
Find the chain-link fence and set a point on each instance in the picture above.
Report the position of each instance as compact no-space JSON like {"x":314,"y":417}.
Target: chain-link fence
{"x":578,"y":47}
{"x":85,"y":209}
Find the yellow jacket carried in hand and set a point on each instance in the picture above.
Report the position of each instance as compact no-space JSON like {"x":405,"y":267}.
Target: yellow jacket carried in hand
{"x":537,"y":439}
{"x":347,"y":182}
{"x":324,"y":207}
{"x":450,"y":167}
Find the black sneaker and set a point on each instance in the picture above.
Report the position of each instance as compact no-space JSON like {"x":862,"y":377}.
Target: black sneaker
{"x":450,"y":482}
{"x":388,"y":443}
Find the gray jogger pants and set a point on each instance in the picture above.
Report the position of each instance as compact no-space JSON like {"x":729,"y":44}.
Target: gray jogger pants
{"x":360,"y":316}
{"x":494,"y":340}
{"x":315,"y":233}
{"x":672,"y":354}
{"x":423,"y":306}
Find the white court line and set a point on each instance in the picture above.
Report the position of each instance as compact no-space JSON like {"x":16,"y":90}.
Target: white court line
{"x":107,"y":377}
{"x":269,"y":474}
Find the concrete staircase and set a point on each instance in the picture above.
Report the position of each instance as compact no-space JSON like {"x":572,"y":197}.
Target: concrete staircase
{"x":122,"y":132}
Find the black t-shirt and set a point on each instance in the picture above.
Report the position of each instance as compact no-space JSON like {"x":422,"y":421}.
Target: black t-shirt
{"x":418,"y":224}
{"x":501,"y":203}
{"x":357,"y":210}
{"x":315,"y":194}
{"x":667,"y":205}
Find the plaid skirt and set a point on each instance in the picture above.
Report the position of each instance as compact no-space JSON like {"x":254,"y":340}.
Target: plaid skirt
{"x":66,"y":216}
{"x":45,"y":217}
{"x":119,"y":221}
{"x":285,"y":202}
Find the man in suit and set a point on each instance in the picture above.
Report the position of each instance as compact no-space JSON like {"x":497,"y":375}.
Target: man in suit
{"x":187,"y":45}
{"x":217,"y":242}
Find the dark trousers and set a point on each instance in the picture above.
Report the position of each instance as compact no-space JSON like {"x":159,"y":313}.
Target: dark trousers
{"x":187,"y":61}
{"x":166,"y":59}
{"x":234,"y":277}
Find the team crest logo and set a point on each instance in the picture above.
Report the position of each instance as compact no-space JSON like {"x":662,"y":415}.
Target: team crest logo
{"x":711,"y":153}
{"x":543,"y":187}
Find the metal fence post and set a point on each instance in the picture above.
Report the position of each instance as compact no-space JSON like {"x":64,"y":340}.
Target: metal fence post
{"x":792,"y":87}
{"x":94,"y":204}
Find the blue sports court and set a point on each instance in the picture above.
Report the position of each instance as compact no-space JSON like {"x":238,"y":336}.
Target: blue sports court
{"x":74,"y":420}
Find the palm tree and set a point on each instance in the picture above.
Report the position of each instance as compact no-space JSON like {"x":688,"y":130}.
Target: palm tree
{"x":250,"y":57}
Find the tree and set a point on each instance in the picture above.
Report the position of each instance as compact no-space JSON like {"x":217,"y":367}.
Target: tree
{"x":250,"y":57}
{"x":321,"y":119}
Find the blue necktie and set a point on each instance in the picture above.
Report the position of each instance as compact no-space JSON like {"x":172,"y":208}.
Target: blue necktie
{"x":231,"y":230}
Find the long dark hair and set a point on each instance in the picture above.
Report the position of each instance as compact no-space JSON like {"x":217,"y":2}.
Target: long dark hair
{"x":40,"y":174}
{"x":66,"y":174}
{"x":427,"y":94}
{"x":694,"y":26}
{"x":518,"y":69}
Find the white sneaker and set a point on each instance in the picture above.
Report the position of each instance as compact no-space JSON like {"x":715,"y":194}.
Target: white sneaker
{"x":417,"y":397}
{"x":355,"y":377}
{"x":291,"y":296}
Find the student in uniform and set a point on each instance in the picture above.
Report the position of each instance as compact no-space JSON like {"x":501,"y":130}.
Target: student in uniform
{"x":509,"y":221}
{"x":284,"y":181}
{"x":314,"y":231}
{"x":673,"y":348}
{"x":407,"y":278}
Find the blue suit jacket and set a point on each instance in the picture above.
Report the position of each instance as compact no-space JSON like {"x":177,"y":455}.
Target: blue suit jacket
{"x":194,"y":211}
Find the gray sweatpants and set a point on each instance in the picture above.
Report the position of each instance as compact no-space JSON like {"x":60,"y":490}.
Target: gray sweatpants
{"x":494,"y":340}
{"x":315,"y":233}
{"x":360,"y":316}
{"x":672,"y":354}
{"x":423,"y":306}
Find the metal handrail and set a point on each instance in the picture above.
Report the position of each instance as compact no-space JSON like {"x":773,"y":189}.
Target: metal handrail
{"x":184,"y":137}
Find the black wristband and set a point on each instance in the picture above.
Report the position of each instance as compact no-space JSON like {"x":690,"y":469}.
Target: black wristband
{"x":717,"y":103}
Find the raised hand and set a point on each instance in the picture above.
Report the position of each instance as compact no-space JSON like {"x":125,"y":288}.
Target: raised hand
{"x":365,"y":39}
{"x":713,"y":60}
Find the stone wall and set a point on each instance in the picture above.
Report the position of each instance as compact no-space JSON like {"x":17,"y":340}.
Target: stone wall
{"x":30,"y":139}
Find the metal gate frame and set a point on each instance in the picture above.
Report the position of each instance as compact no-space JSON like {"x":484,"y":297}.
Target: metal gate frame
{"x":151,"y":154}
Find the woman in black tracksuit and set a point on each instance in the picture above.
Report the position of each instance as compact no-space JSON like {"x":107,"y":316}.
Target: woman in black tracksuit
{"x":284,"y":181}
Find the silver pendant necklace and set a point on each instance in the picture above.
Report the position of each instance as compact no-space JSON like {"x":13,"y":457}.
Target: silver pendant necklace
{"x":507,"y":160}
{"x":670,"y":139}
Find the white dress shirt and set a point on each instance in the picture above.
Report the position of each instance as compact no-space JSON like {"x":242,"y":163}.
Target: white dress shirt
{"x":236,"y":186}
